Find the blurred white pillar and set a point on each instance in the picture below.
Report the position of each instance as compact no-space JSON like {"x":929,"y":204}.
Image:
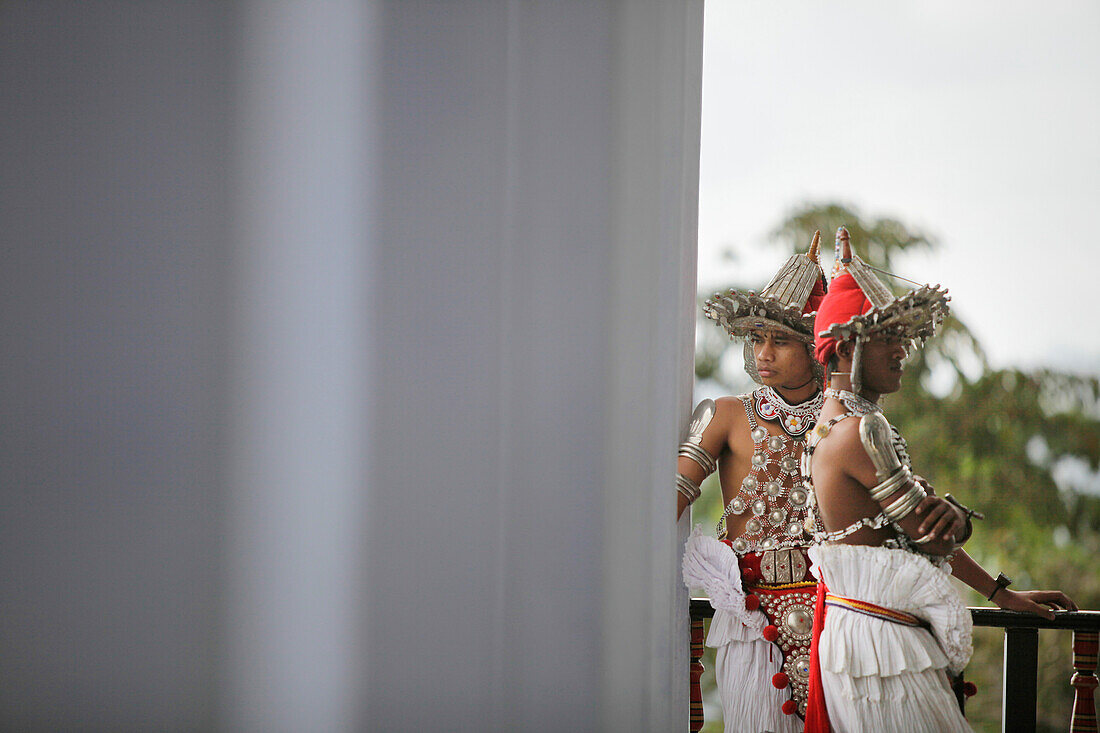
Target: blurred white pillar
{"x":526,"y":364}
{"x":396,"y":451}
{"x":532,"y":329}
{"x":657,"y":70}
{"x":298,"y":368}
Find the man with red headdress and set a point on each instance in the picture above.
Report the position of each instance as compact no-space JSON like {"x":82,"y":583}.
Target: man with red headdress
{"x":756,"y":572}
{"x":889,"y":625}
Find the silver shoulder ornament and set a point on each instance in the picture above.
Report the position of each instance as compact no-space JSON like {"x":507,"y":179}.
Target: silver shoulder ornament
{"x":893,"y":475}
{"x":700,"y":419}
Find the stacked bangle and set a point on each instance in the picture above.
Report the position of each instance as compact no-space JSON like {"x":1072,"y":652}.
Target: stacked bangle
{"x":900,"y":508}
{"x":900,"y":477}
{"x":698,"y":454}
{"x":688,"y":488}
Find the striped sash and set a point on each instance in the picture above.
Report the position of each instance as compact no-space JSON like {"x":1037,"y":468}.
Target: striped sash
{"x":870,"y":609}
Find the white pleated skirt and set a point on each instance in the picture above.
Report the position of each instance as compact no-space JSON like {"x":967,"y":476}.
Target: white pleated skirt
{"x":750,"y":702}
{"x":882,"y":676}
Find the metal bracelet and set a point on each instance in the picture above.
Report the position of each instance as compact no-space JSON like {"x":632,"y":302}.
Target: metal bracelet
{"x":698,"y":454}
{"x":900,"y":508}
{"x":688,"y":488}
{"x":1002,"y":581}
{"x":900,"y":477}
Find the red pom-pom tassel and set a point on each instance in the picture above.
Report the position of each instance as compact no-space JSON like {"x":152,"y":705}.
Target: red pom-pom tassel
{"x":780,"y":680}
{"x":970,"y":689}
{"x":789,"y":707}
{"x":749,"y":575}
{"x":770,"y":633}
{"x":752,"y":602}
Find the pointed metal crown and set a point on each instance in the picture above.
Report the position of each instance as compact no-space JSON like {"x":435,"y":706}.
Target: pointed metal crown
{"x":795,"y":281}
{"x":778,"y":306}
{"x":914,"y":315}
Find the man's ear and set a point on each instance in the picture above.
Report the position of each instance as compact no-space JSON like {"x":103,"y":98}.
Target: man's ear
{"x":845,"y":349}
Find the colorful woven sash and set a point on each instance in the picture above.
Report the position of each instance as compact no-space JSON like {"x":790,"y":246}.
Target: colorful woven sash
{"x":870,"y":609}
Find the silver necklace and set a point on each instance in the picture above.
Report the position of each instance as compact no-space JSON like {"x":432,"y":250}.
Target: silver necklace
{"x":856,"y":405}
{"x":794,"y":419}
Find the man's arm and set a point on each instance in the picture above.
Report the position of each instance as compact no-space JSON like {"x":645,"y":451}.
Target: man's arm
{"x":966,"y":569}
{"x":708,"y":433}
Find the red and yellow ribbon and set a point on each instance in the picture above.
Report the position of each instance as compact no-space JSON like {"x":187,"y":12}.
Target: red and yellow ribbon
{"x":875,"y":611}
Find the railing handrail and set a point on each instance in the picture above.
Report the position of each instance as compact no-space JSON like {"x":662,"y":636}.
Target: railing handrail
{"x":1000,"y":618}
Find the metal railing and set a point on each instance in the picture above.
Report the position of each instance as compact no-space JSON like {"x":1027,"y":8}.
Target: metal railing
{"x":1018,"y":699}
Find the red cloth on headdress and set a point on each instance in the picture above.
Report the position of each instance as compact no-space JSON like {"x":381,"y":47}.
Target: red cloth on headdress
{"x":843,"y":301}
{"x":814,"y":301}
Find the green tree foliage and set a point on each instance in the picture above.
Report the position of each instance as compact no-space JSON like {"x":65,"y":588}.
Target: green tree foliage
{"x":1022,"y":447}
{"x":879,"y":242}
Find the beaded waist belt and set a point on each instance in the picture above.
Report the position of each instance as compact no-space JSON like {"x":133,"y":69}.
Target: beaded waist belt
{"x":774,"y":567}
{"x":874,"y":611}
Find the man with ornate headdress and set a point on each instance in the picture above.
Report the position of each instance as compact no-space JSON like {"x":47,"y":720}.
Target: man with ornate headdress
{"x":889,"y":625}
{"x":756,"y":571}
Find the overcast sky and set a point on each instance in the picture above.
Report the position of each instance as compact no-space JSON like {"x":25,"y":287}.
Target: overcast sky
{"x":978,"y":122}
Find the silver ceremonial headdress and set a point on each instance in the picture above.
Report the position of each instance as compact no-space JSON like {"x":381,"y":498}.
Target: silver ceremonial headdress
{"x":915,"y":315}
{"x":780,"y":306}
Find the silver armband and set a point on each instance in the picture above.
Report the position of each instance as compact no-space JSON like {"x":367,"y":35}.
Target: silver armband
{"x":900,"y":508}
{"x":688,"y":488}
{"x":692,"y":447}
{"x":893,"y":475}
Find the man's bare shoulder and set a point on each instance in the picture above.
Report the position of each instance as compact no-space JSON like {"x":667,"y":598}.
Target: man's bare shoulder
{"x":729,"y":404}
{"x":731,"y":410}
{"x":842,"y":452}
{"x":842,"y":439}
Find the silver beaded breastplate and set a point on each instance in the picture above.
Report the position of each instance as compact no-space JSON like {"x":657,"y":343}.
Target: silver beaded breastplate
{"x":772,"y":492}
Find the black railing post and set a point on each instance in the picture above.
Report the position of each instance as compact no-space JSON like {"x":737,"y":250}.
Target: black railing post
{"x":1020,"y":680}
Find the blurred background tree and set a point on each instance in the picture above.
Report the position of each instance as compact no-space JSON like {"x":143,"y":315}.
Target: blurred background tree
{"x":1021,"y":446}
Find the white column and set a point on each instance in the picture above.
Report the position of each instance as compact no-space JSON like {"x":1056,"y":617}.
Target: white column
{"x":657,"y":67}
{"x":299,"y":373}
{"x":355,"y":346}
{"x":535,"y":282}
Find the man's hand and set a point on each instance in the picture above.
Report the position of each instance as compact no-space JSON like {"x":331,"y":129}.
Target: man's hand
{"x":941,"y":520}
{"x":1038,"y":602}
